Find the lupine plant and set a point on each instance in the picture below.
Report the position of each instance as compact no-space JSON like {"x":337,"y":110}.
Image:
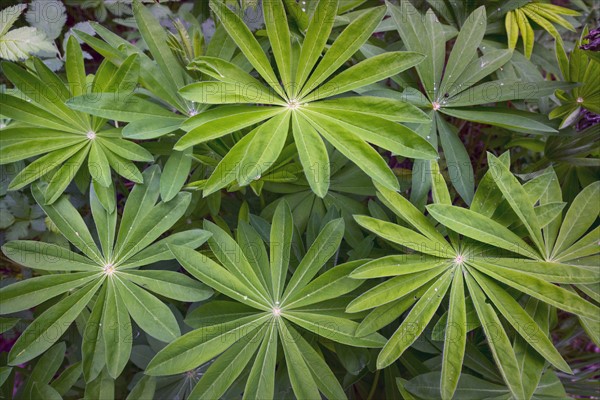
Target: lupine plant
{"x":309,"y":199}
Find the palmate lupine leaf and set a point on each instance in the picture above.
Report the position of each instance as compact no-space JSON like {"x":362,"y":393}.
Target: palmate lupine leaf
{"x":65,"y":138}
{"x":423,"y":280}
{"x":266,"y":307}
{"x":299,"y":99}
{"x":456,"y":92}
{"x":105,"y":278}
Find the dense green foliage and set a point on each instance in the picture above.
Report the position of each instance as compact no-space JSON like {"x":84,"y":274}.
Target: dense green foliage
{"x":341,"y":199}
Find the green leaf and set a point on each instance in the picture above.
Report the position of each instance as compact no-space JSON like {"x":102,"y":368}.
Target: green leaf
{"x":98,"y":165}
{"x":329,"y":285}
{"x":201,"y":345}
{"x":159,"y":219}
{"x":415,"y":322}
{"x":119,"y":107}
{"x":458,"y":161}
{"x":338,"y":329}
{"x":465,"y":47}
{"x":303,"y":384}
{"x":106,"y":224}
{"x":354,"y":148}
{"x":320,"y":371}
{"x":64,"y":175}
{"x":155,"y":38}
{"x":516,"y":196}
{"x":223,"y":372}
{"x":264,"y":149}
{"x":140,"y":201}
{"x":231,"y":256}
{"x":175,"y":174}
{"x":47,"y":256}
{"x":540,"y":289}
{"x":29,"y":293}
{"x":75,"y":68}
{"x":480,"y":228}
{"x":455,"y":337}
{"x":92,"y":346}
{"x":501,"y":117}
{"x":54,"y":92}
{"x":152,"y":315}
{"x":247,"y":43}
{"x":261,"y":380}
{"x":580,"y":216}
{"x":497,"y":339}
{"x":526,"y":326}
{"x":478,"y":69}
{"x":405,"y":237}
{"x":52,"y":323}
{"x":221,"y":121}
{"x":126,"y":149}
{"x":313,"y":155}
{"x":321,"y":250}
{"x":282,"y":230}
{"x":390,"y":109}
{"x":381,"y":132}
{"x":278,"y":32}
{"x":317,"y":33}
{"x":396,"y":265}
{"x":22,"y":110}
{"x":409,"y":213}
{"x":217,"y":277}
{"x":393,"y":289}
{"x":366,"y":72}
{"x":116,"y":331}
{"x":70,"y":224}
{"x":173,"y":285}
{"x":344,"y":47}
